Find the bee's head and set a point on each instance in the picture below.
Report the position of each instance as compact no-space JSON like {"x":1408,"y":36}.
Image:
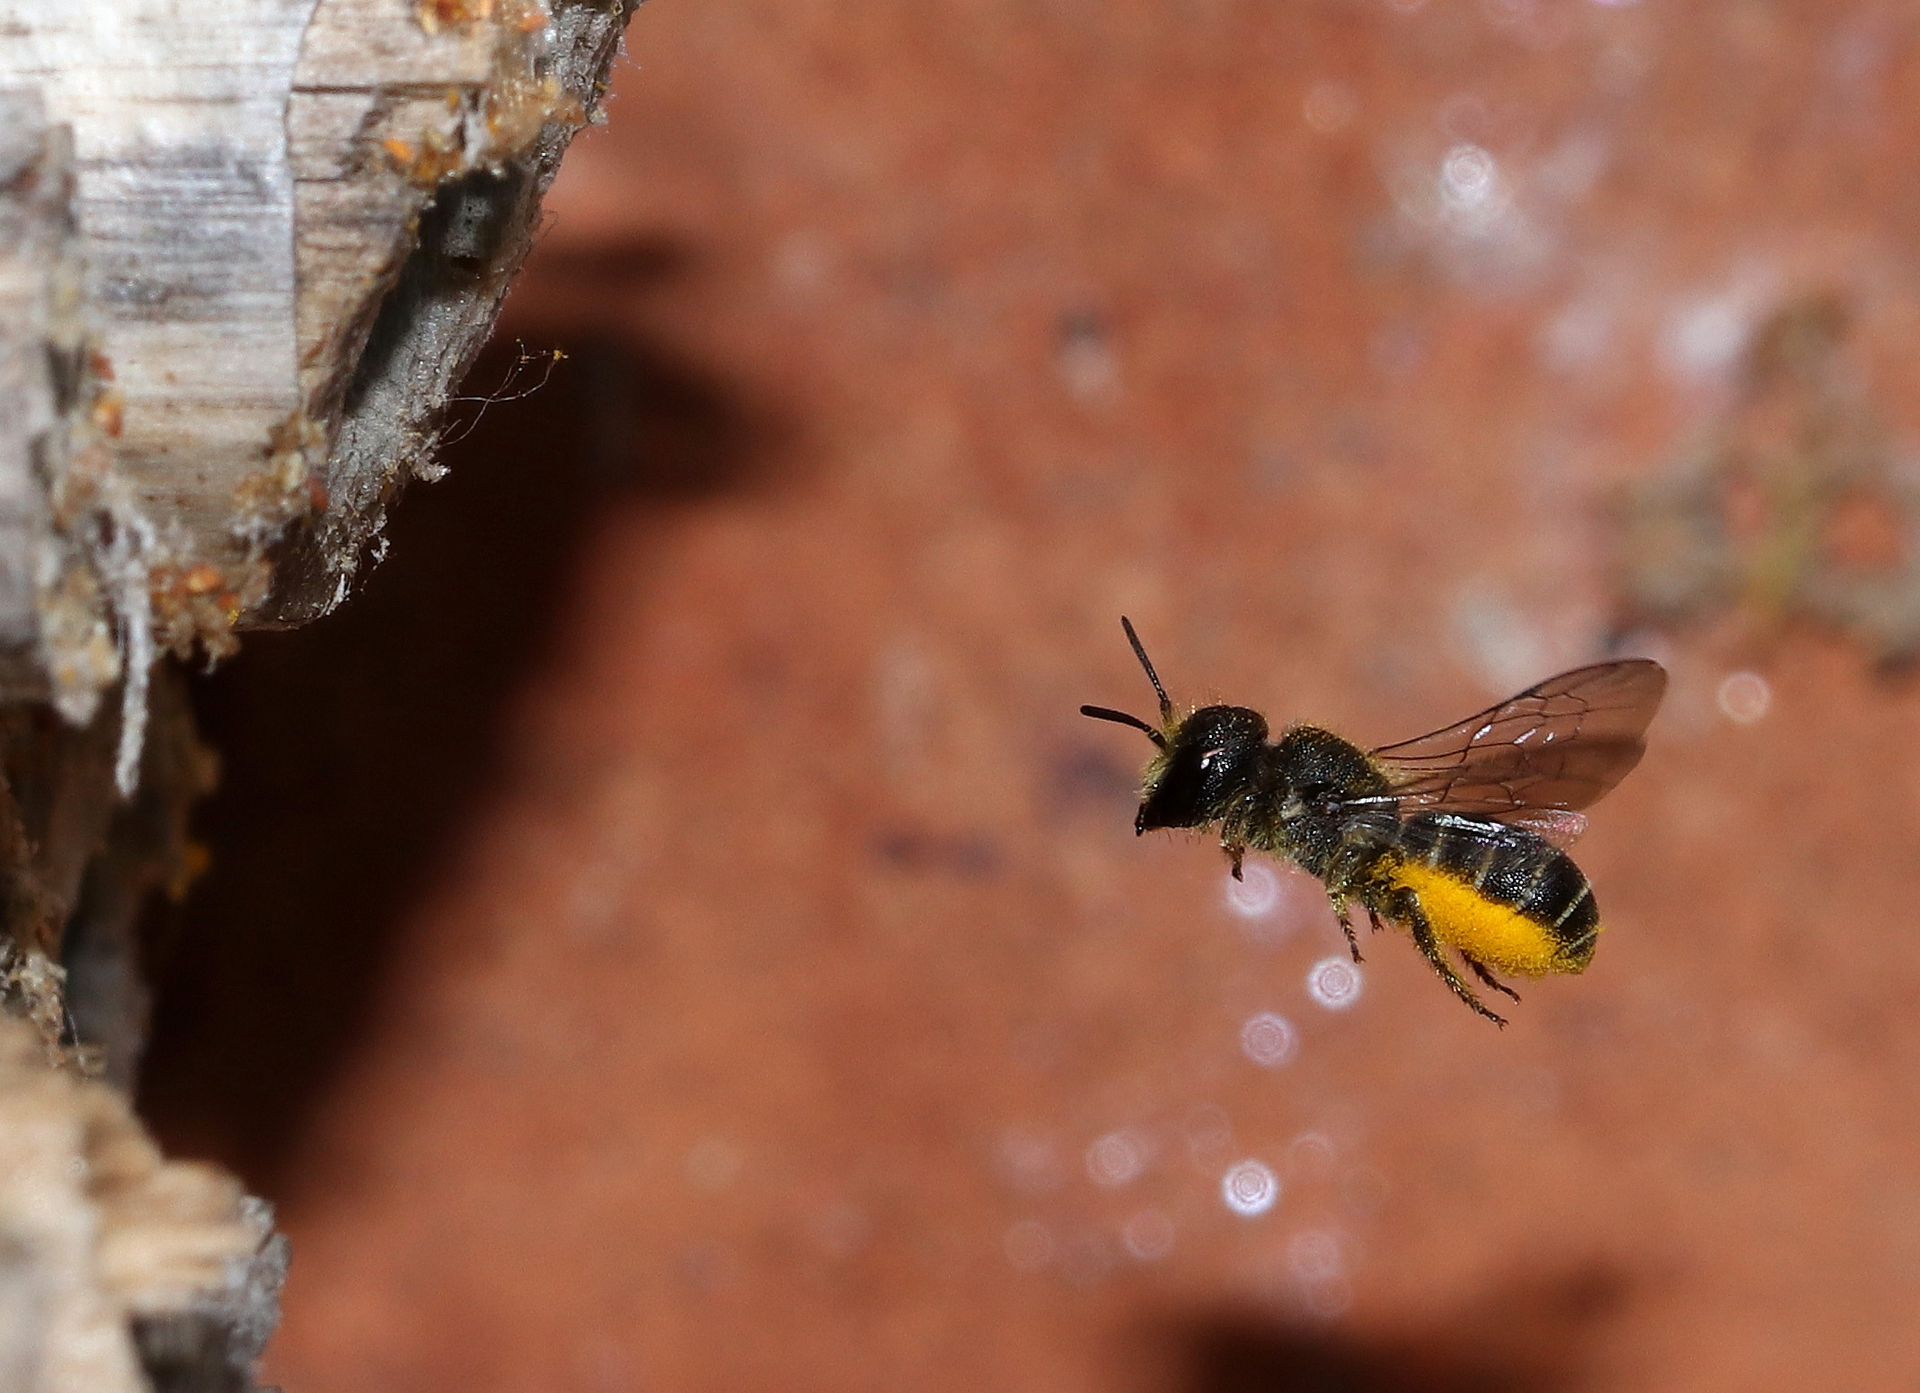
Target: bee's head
{"x":1208,"y":758}
{"x":1204,"y":757}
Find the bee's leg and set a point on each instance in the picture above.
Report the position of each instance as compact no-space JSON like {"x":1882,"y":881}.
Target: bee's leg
{"x":1341,"y":913}
{"x":1351,"y":877}
{"x":1373,"y":918}
{"x":1480,"y":971}
{"x":1409,"y":913}
{"x":1236,"y":853}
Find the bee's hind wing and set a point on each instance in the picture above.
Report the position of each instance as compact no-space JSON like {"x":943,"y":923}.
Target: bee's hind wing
{"x":1560,"y":826}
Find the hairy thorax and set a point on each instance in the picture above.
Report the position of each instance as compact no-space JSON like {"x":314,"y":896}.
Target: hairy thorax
{"x":1302,"y":804}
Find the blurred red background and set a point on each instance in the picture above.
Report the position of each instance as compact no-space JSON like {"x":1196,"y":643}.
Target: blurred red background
{"x":673,"y":930}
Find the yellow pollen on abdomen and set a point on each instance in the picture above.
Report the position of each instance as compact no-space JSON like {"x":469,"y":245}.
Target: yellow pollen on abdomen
{"x":1497,"y":936}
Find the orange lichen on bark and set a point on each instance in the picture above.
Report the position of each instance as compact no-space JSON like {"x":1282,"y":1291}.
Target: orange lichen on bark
{"x":436,"y":16}
{"x":435,"y":159}
{"x":108,"y":413}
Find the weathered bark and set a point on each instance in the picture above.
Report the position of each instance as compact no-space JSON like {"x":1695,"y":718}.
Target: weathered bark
{"x":113,"y":1262}
{"x":247,"y":248}
{"x":409,"y":260}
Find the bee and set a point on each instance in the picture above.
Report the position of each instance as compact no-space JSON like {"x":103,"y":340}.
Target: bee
{"x":1456,"y":836}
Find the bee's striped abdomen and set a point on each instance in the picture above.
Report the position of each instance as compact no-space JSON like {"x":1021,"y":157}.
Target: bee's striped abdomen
{"x":1500,"y":894}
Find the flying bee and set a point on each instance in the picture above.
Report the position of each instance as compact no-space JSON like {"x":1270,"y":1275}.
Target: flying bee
{"x":1452,"y":835}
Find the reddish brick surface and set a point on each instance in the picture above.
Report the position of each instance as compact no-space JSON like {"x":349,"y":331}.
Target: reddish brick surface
{"x":673,"y":931}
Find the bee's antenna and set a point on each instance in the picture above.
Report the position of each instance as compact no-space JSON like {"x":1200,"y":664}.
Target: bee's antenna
{"x":1166,"y":707}
{"x":1105,"y":713}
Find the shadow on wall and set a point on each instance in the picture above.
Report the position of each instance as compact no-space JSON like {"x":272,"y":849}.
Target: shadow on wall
{"x":1532,"y":1336}
{"x":355,"y":750}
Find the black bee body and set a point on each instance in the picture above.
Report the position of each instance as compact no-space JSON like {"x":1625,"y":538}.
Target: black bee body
{"x":1414,"y":833}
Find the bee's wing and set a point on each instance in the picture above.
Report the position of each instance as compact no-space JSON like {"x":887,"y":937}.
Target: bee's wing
{"x":1557,"y":825}
{"x":1559,"y":745}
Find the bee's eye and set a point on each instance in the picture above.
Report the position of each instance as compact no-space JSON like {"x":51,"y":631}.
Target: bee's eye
{"x":1208,"y":758}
